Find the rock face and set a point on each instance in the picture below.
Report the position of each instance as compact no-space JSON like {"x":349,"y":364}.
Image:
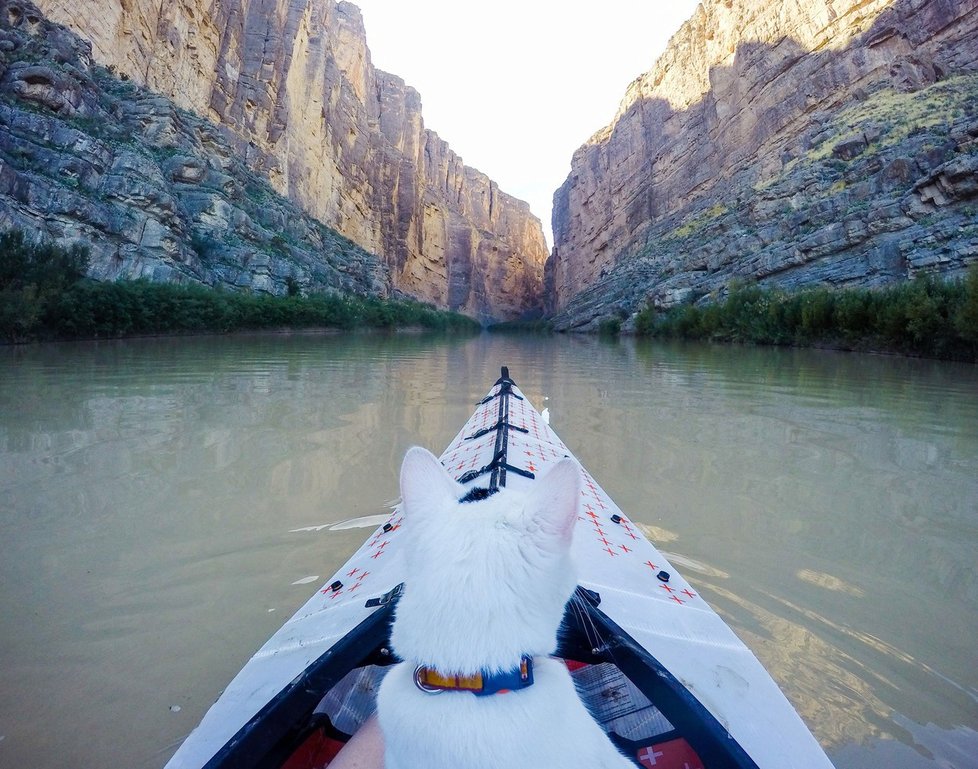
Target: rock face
{"x":155,"y":192}
{"x":291,"y":84}
{"x":790,"y":143}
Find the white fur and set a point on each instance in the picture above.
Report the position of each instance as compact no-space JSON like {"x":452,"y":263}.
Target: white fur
{"x":485,"y":583}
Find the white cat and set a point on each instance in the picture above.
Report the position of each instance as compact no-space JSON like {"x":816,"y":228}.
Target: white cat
{"x":486,"y":583}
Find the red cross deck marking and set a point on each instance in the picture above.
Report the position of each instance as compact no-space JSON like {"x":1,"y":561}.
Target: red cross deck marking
{"x":648,"y":756}
{"x":674,"y":754}
{"x":687,"y":592}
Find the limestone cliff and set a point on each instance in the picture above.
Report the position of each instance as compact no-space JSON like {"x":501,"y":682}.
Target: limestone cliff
{"x":292,"y":85}
{"x":831,"y":141}
{"x":153,"y":191}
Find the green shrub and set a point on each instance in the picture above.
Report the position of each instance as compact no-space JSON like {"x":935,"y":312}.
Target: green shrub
{"x":817,"y":309}
{"x":44,"y":265}
{"x":966,"y":314}
{"x":925,"y":316}
{"x":31,"y":276}
{"x":19,"y":314}
{"x":645,"y":321}
{"x":43,"y":295}
{"x":853,"y":314}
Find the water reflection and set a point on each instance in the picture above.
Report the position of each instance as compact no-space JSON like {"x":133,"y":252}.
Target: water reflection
{"x":164,"y":503}
{"x":829,"y":582}
{"x":835,"y":496}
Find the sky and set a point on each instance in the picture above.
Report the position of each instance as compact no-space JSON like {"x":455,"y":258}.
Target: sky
{"x":516,"y":86}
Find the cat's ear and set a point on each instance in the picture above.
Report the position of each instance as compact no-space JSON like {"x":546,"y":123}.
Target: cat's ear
{"x":426,"y":486}
{"x":551,"y":506}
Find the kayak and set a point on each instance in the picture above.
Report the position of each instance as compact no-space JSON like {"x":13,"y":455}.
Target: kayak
{"x":667,"y":680}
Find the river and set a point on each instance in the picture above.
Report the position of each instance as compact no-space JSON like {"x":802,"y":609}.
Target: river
{"x":163,"y":505}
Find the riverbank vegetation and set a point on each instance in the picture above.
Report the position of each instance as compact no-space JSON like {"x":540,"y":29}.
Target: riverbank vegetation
{"x":535,"y":326}
{"x":44,"y":295}
{"x":926,"y":316}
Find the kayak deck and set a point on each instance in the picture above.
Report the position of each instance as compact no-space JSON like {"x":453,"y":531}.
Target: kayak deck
{"x":668,"y":680}
{"x":632,"y":713}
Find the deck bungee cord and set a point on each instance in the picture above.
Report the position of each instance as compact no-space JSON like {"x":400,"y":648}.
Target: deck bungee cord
{"x":498,"y":466}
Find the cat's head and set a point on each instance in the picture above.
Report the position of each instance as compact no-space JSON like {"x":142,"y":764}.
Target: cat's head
{"x":485,"y":581}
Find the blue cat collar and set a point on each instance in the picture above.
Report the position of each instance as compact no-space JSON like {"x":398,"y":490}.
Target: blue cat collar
{"x":481,"y":684}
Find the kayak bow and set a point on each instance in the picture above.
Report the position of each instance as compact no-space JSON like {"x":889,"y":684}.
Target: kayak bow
{"x":665,"y":677}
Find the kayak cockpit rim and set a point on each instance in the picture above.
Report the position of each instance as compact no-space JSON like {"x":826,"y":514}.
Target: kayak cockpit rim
{"x":588,"y":637}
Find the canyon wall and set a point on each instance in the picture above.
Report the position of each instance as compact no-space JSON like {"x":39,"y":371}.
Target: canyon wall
{"x":790,"y":143}
{"x":152,"y":191}
{"x":292,"y":86}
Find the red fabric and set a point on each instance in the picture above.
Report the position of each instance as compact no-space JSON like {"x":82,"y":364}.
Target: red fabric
{"x":674,"y":754}
{"x":315,"y":753}
{"x":573,"y":665}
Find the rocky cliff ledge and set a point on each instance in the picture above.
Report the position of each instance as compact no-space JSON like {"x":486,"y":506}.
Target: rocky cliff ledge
{"x":154,"y":191}
{"x":292,"y":87}
{"x":790,"y":143}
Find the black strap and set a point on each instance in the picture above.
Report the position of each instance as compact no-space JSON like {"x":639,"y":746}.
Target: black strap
{"x":496,"y":463}
{"x":495,"y":427}
{"x":498,"y":466}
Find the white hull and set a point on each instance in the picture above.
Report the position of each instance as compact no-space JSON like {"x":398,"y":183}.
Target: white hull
{"x":666,"y":620}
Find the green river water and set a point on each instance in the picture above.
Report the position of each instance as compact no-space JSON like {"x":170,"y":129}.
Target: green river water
{"x":151,"y":493}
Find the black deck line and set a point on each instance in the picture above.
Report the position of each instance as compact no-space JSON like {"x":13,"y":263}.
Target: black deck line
{"x":498,"y":466}
{"x":506,"y":385}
